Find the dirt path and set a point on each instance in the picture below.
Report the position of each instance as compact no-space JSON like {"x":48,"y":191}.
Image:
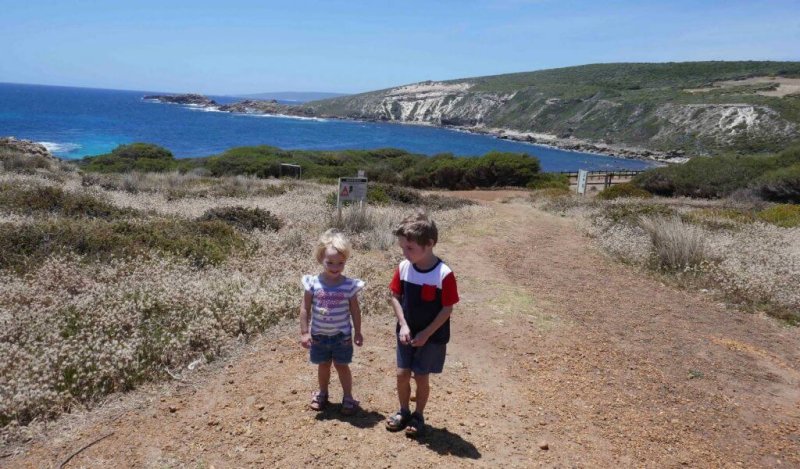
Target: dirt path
{"x":552,"y":343}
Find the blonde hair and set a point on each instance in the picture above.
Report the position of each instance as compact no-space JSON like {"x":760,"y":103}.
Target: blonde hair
{"x":332,"y":239}
{"x":419,"y":228}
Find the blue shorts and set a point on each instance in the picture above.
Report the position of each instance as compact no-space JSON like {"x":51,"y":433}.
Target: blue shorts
{"x":421,"y":360}
{"x":325,"y":348}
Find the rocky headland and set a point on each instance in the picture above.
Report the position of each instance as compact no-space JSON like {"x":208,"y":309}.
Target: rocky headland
{"x":663,"y":112}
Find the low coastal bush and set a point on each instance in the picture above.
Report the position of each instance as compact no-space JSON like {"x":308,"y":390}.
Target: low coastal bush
{"x":247,"y":219}
{"x":623,"y":190}
{"x":40,"y":200}
{"x":784,"y":215}
{"x":774,"y":177}
{"x":382,"y":165}
{"x":630,"y":213}
{"x":720,"y":218}
{"x":780,"y":185}
{"x":548,"y":181}
{"x":706,"y":177}
{"x":143,"y":157}
{"x":23,"y":246}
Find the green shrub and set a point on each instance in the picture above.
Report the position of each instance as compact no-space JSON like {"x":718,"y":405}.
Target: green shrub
{"x":784,"y":215}
{"x":40,"y":200}
{"x":623,"y":190}
{"x":136,"y":151}
{"x":780,"y":185}
{"x":549,"y":181}
{"x":143,"y":157}
{"x":706,"y":177}
{"x":244,"y":218}
{"x":376,"y":194}
{"x":789,"y":156}
{"x":25,"y":245}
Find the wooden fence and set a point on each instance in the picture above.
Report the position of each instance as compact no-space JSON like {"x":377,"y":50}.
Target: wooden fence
{"x":598,"y":180}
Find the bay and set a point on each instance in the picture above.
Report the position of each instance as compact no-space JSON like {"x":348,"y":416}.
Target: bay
{"x":76,"y":122}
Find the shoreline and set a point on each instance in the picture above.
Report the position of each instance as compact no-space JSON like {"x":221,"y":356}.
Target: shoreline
{"x":571,"y":144}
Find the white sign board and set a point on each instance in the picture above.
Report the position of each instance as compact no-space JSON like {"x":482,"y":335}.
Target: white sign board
{"x":582,"y":181}
{"x":352,"y":189}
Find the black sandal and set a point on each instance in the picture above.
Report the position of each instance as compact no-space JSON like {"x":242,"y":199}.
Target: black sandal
{"x":416,"y":425}
{"x":398,"y":421}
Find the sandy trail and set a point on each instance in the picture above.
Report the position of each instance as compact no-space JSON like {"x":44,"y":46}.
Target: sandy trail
{"x":552,"y":343}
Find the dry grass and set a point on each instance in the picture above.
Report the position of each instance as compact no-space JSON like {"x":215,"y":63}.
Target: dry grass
{"x":676,"y":245}
{"x":78,"y":327}
{"x":725,"y":244}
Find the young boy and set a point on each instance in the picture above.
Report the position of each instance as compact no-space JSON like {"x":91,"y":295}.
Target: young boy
{"x":423,"y":294}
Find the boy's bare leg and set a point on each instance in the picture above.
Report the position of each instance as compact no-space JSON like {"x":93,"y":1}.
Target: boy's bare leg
{"x":346,"y":378}
{"x":404,"y":387}
{"x":324,"y":376}
{"x":423,"y":391}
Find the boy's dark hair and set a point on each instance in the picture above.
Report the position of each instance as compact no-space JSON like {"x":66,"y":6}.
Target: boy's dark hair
{"x":419,"y":228}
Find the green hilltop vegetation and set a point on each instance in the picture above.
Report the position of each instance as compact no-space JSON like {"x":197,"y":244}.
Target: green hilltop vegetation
{"x":660,"y":106}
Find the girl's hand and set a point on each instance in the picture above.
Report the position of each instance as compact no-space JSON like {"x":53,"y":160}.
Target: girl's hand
{"x":305,"y":340}
{"x":358,"y":339}
{"x":404,"y":335}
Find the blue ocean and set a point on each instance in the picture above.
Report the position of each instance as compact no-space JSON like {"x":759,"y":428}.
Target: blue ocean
{"x":77,"y":122}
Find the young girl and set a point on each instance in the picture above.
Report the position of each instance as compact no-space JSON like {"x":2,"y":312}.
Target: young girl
{"x":331,"y":300}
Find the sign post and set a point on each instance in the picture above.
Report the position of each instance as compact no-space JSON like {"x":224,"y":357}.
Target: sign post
{"x":582,"y":174}
{"x":351,"y":189}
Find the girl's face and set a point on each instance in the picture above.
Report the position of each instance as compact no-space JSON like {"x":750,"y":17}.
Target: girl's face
{"x":333,"y":263}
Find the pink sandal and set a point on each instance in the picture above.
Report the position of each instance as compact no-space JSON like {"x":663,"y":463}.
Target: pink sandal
{"x":349,"y":406}
{"x":318,"y":400}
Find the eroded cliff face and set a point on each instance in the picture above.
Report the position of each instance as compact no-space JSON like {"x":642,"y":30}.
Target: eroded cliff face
{"x":725,"y":124}
{"x":434,"y":103}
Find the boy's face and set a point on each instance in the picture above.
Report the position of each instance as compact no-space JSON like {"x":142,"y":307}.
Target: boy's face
{"x":415,"y":252}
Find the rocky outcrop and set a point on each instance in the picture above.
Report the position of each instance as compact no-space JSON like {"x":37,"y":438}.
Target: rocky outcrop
{"x":267,"y":107}
{"x":25,"y":147}
{"x":25,"y":156}
{"x":184,"y":99}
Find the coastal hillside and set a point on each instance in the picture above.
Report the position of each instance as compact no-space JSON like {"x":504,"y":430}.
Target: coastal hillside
{"x":690,"y":107}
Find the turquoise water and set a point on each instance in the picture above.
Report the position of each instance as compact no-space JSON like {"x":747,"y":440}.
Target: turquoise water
{"x":76,"y":122}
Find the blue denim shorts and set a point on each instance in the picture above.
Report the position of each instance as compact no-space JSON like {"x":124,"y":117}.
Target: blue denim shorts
{"x":325,"y":348}
{"x":421,"y":360}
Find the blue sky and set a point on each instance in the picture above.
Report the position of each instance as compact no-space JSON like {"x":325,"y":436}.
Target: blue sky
{"x":241,"y":46}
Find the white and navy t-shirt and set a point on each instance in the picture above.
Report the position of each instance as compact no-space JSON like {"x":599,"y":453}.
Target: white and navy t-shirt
{"x":423,"y":294}
{"x":330,"y":304}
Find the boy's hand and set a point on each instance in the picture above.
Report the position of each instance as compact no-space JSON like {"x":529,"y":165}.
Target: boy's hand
{"x":419,"y":340}
{"x":305,"y":340}
{"x":404,"y":335}
{"x":358,"y":339}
